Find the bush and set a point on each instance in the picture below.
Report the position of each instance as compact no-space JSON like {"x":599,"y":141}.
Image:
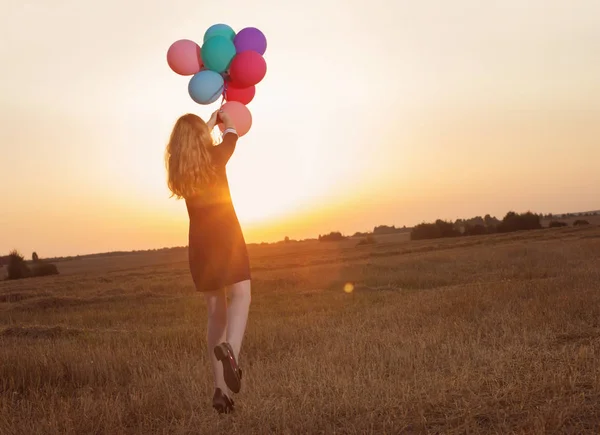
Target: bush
{"x":369,"y":240}
{"x":17,"y":268}
{"x":41,"y":268}
{"x":334,"y":236}
{"x":557,"y":224}
{"x":579,"y":222}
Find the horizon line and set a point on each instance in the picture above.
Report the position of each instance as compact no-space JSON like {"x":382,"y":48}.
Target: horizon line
{"x":307,"y":239}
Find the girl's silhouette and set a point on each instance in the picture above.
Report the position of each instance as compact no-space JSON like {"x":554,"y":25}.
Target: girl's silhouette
{"x":218,"y":257}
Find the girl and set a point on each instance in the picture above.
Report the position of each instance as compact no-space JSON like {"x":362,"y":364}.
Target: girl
{"x":218,"y":258}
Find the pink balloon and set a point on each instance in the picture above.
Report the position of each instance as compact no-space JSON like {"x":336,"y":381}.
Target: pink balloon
{"x":240,"y":115}
{"x":184,"y":57}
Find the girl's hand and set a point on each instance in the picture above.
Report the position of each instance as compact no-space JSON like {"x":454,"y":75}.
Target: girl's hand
{"x":225,"y":119}
{"x":213,"y":120}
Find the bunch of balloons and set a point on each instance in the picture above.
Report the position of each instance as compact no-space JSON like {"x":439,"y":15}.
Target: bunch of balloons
{"x":228,"y":65}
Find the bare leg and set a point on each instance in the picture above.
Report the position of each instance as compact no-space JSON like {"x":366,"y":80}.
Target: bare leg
{"x":237,"y":314}
{"x":216,"y":303}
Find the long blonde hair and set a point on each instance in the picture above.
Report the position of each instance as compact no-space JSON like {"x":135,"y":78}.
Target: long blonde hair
{"x":187,"y":157}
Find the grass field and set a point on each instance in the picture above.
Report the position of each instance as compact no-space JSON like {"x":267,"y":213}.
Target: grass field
{"x":493,"y":334}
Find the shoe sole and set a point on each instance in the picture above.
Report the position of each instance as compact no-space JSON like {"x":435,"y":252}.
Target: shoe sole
{"x":222,"y":408}
{"x":221,"y":403}
{"x":231,"y":378}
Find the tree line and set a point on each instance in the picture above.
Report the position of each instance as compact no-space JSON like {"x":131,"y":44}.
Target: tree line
{"x":475,"y":226}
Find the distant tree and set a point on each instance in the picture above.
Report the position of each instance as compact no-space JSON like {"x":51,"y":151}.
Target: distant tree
{"x":491,"y":223}
{"x":447,"y":229}
{"x":475,"y":230}
{"x":477,"y":220}
{"x":425,"y":231}
{"x":435,"y":230}
{"x":34,"y":257}
{"x":287,"y":239}
{"x":384,"y":229}
{"x":519,"y":222}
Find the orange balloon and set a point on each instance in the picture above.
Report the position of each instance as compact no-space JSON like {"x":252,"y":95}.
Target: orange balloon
{"x":240,"y":115}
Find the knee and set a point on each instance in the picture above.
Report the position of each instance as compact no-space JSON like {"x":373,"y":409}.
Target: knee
{"x":241,"y":291}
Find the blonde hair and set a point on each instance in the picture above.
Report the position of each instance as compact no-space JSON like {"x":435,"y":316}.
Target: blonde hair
{"x":187,"y":157}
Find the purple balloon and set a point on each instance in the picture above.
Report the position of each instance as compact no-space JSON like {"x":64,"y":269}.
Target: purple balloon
{"x":250,"y":38}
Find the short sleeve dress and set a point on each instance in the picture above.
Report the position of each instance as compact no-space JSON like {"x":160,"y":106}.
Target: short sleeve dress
{"x":218,"y":256}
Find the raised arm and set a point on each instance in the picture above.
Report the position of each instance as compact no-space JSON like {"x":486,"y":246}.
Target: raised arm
{"x":222,"y":152}
{"x":230,"y":137}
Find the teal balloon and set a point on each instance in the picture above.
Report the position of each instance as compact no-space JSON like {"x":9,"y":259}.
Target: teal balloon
{"x":217,"y":53}
{"x":219,"y":30}
{"x":206,"y":86}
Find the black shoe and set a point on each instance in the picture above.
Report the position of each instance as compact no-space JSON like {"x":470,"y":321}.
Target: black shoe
{"x":231,"y":372}
{"x":222,"y":403}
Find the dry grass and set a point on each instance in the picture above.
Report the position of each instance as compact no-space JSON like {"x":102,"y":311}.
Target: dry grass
{"x":495,"y":334}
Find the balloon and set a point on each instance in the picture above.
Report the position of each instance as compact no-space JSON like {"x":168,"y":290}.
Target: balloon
{"x":217,"y":53}
{"x":240,"y":115}
{"x":250,"y":38}
{"x":184,"y":57}
{"x":247,"y":68}
{"x":206,"y":87}
{"x":219,"y":30}
{"x":243,"y":95}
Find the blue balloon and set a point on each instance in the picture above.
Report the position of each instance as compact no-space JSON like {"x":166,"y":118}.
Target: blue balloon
{"x":206,"y":86}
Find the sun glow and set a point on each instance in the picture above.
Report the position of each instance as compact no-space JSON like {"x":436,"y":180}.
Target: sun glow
{"x":335,"y":144}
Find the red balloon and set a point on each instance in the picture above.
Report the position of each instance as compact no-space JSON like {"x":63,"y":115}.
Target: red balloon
{"x":243,"y":95}
{"x":247,"y":68}
{"x":240,"y":115}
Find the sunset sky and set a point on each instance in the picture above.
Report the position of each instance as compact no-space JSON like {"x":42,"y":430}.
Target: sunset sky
{"x":371,"y":112}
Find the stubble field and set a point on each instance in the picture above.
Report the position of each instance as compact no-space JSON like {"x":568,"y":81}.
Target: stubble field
{"x":491,"y":334}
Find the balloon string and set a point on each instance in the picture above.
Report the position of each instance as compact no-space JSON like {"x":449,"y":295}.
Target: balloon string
{"x":224,"y":94}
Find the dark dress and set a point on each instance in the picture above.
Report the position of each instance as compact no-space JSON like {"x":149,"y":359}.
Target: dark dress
{"x":218,"y":256}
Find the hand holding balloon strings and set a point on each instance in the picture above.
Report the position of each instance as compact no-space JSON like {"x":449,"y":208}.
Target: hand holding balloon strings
{"x":228,"y":65}
{"x":212,"y":122}
{"x":226,"y":120}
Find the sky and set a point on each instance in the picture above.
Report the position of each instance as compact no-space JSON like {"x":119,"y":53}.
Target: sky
{"x":381,"y":112}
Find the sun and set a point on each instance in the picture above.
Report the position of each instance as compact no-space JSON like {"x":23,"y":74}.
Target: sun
{"x":266,"y":185}
{"x":257,"y":200}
